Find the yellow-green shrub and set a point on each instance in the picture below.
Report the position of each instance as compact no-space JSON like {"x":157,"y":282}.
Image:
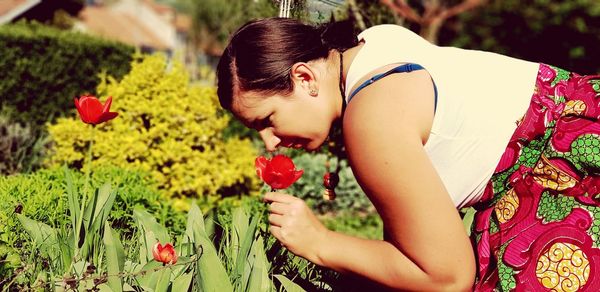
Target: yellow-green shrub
{"x":166,"y":127}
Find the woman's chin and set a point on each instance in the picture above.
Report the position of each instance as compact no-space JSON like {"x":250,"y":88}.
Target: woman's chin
{"x":313,"y":146}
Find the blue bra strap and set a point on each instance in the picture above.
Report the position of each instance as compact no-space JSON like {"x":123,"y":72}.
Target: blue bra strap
{"x":400,"y":69}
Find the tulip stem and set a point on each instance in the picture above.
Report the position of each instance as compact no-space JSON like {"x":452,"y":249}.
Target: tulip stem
{"x":88,"y":162}
{"x":88,"y":166}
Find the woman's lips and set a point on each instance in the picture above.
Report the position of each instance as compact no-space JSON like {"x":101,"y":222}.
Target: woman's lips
{"x":296,"y":144}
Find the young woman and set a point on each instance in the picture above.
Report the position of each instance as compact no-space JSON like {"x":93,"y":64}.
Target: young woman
{"x":427,"y":130}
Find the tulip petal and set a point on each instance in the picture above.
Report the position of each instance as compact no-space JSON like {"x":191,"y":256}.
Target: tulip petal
{"x":282,"y":163}
{"x":107,"y":117}
{"x":261,"y":163}
{"x":107,"y":104}
{"x":156,"y":251}
{"x":91,"y":109}
{"x":297,"y":175}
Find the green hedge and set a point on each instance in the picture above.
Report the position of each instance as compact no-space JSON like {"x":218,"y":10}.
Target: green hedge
{"x":44,"y":68}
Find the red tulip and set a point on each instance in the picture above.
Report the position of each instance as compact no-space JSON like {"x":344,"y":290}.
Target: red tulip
{"x":164,"y":254}
{"x":92,"y":111}
{"x":280,"y":172}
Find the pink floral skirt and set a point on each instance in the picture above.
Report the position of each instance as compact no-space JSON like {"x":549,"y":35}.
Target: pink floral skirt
{"x":538,"y":225}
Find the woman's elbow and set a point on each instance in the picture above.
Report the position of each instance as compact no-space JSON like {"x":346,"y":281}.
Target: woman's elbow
{"x":461,"y":279}
{"x":462,"y":283}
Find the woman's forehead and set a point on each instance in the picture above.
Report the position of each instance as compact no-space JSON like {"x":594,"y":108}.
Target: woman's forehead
{"x":246,"y":105}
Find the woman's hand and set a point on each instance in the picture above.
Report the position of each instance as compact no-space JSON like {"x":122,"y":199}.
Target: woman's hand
{"x":295,"y":225}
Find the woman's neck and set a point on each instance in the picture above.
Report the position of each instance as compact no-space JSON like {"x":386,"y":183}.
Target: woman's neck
{"x":348,"y":57}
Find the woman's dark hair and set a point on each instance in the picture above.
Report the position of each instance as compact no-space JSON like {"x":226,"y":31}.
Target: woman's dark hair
{"x":261,"y":53}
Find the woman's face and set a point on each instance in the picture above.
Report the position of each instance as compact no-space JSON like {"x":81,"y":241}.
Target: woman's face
{"x":301,"y":119}
{"x":294,"y":121}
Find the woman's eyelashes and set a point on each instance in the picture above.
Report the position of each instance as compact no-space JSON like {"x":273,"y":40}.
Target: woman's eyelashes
{"x":261,"y":124}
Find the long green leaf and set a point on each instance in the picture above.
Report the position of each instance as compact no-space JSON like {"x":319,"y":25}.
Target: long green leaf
{"x":101,"y":206}
{"x":288,"y":285}
{"x":148,"y":279}
{"x":237,"y":230}
{"x":244,"y":262}
{"x":42,"y":234}
{"x":95,"y":215}
{"x":115,"y":258}
{"x":148,"y":223}
{"x":182,"y":283}
{"x":259,"y":276}
{"x":151,"y":232}
{"x":164,"y":279}
{"x":210,"y":270}
{"x":73,"y":199}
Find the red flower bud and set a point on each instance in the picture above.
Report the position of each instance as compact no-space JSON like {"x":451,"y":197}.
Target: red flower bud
{"x":164,"y":254}
{"x":91,"y":111}
{"x":279,"y":172}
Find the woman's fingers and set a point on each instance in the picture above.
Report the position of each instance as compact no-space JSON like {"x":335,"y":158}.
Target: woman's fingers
{"x":278,"y":208}
{"x":278,"y":197}
{"x":276,"y":232}
{"x":275,"y":219}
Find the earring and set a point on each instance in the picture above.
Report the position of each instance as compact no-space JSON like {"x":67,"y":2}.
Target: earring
{"x":313,"y":92}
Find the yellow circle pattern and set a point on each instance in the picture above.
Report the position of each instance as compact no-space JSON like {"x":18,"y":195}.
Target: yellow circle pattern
{"x":507,"y":207}
{"x":564,"y":267}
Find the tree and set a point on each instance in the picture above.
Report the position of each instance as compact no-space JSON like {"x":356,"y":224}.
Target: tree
{"x":430,"y":15}
{"x":215,"y":20}
{"x":561,"y":33}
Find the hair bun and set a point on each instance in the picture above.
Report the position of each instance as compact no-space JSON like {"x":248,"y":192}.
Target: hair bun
{"x":338,"y":35}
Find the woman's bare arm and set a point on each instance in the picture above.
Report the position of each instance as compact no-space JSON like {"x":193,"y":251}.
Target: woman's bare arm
{"x":426,"y":246}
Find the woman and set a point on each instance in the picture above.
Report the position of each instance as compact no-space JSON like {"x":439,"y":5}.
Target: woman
{"x":427,"y":130}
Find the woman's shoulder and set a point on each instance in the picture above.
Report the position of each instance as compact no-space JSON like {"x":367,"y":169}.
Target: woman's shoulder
{"x":403,"y":101}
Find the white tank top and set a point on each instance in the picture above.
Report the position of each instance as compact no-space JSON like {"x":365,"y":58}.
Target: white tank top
{"x":481,"y":95}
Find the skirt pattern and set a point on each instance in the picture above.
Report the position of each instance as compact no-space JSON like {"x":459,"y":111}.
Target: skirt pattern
{"x":538,"y":225}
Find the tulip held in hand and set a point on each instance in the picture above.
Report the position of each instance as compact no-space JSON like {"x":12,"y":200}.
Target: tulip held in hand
{"x":279,"y":172}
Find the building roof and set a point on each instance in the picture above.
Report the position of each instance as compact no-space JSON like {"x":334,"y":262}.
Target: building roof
{"x":10,"y":9}
{"x":183,"y":22}
{"x":120,"y":26}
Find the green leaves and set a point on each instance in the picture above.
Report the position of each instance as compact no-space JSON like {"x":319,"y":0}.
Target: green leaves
{"x":230,"y":258}
{"x":209,"y":269}
{"x":288,"y":285}
{"x":115,"y":258}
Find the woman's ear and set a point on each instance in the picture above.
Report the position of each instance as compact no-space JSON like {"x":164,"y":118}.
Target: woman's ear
{"x":304,"y":77}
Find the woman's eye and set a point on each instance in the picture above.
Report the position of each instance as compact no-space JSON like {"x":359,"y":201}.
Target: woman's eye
{"x":265,"y":123}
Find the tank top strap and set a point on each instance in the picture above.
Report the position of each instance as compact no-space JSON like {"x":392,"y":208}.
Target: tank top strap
{"x":404,"y":68}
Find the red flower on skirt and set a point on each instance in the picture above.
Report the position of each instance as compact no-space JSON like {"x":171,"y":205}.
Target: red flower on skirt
{"x":279,"y":172}
{"x":92,"y":111}
{"x":164,"y":254}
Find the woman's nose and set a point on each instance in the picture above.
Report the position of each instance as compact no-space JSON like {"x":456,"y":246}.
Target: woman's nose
{"x":271,"y":140}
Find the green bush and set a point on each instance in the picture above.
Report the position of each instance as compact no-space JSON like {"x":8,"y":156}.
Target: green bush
{"x":309,"y":187}
{"x":43,"y":68}
{"x":167,"y":128}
